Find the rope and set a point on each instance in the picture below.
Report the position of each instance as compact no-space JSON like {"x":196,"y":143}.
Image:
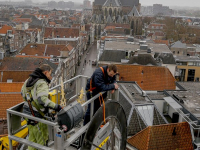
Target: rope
{"x":104,"y":110}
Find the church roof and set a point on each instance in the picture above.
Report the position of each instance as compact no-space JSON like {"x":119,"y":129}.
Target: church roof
{"x":125,"y":18}
{"x":122,"y":2}
{"x":109,"y":19}
{"x":113,"y":3}
{"x":119,"y":19}
{"x":134,"y":12}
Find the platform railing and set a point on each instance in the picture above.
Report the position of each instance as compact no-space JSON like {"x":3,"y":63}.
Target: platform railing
{"x":59,"y":140}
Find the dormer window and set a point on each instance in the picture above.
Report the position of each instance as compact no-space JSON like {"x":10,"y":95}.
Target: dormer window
{"x":9,"y":32}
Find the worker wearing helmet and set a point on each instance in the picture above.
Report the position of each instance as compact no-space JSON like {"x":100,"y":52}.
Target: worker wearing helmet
{"x":36,"y":88}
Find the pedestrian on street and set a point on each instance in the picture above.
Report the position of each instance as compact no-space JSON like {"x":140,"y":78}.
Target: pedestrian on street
{"x":35,"y":94}
{"x":103,"y":79}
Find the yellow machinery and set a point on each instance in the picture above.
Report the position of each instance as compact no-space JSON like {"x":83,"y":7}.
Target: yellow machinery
{"x":4,"y":142}
{"x":53,"y":96}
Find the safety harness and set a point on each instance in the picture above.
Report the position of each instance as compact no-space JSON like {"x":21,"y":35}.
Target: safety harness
{"x":31,"y":103}
{"x":93,"y":88}
{"x":101,"y":100}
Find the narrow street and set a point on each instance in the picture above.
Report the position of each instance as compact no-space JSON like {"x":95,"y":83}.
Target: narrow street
{"x":89,"y":55}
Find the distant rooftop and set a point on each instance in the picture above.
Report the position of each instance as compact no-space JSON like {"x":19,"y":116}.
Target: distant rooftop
{"x":187,"y":58}
{"x":191,"y":97}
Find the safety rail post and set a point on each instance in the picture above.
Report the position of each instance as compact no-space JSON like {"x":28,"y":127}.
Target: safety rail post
{"x":9,"y":130}
{"x":59,"y":138}
{"x":13,"y":111}
{"x":113,"y":96}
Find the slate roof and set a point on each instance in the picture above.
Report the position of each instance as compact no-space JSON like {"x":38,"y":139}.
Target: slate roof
{"x":147,"y":77}
{"x":109,"y":19}
{"x":134,"y":12}
{"x":142,"y":59}
{"x":7,"y":101}
{"x":99,"y":2}
{"x":178,"y":44}
{"x":114,"y":56}
{"x":123,"y":2}
{"x":130,"y":96}
{"x":169,"y":136}
{"x":119,"y":19}
{"x":113,"y":3}
{"x":129,"y":2}
{"x":61,"y":32}
{"x":35,"y":21}
{"x":167,"y":58}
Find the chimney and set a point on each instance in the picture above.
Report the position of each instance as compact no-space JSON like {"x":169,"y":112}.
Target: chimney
{"x":52,"y":32}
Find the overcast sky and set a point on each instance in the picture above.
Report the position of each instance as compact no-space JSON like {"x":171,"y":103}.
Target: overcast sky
{"x":190,"y":3}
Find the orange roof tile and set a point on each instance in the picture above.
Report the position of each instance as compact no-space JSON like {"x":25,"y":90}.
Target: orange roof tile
{"x":7,"y":101}
{"x":40,"y":49}
{"x":45,"y":57}
{"x":11,"y":87}
{"x":4,"y":29}
{"x":61,"y":32}
{"x":22,"y":20}
{"x":76,"y":26}
{"x":162,"y":42}
{"x":52,"y":23}
{"x":72,"y":18}
{"x":147,"y":77}
{"x":165,"y":137}
{"x":17,"y":76}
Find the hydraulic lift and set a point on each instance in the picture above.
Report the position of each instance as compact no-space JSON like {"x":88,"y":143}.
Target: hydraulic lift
{"x":107,"y":129}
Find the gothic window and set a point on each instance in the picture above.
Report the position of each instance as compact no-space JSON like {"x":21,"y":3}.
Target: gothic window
{"x":110,"y":11}
{"x":106,"y":12}
{"x":115,"y":12}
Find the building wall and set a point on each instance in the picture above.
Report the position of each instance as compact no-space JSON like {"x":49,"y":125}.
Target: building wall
{"x":196,"y":68}
{"x":159,"y":104}
{"x":171,"y":67}
{"x":179,"y":51}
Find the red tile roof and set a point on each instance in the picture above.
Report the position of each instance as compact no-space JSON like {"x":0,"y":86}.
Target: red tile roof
{"x":61,"y":32}
{"x":7,"y":101}
{"x":11,"y":87}
{"x":47,"y":49}
{"x":157,"y":24}
{"x":159,"y":34}
{"x":72,"y":18}
{"x":4,"y":29}
{"x":76,"y":26}
{"x":162,"y":42}
{"x":16,"y":76}
{"x":113,"y":26}
{"x":21,"y":64}
{"x":163,"y":137}
{"x":22,"y":20}
{"x":52,"y":23}
{"x":31,"y":56}
{"x":147,"y":77}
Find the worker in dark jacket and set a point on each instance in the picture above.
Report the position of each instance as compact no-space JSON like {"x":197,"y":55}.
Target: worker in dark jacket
{"x":103,"y":79}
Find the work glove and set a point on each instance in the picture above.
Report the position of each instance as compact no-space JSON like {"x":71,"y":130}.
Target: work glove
{"x":57,"y":108}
